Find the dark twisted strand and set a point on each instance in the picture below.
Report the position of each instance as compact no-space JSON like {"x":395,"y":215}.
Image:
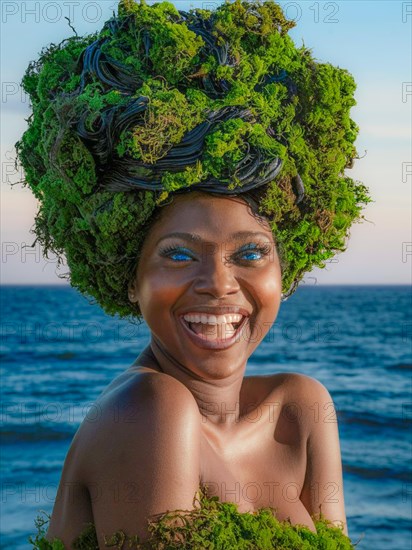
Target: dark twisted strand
{"x":117,"y":119}
{"x":281,"y":77}
{"x":110,"y":124}
{"x":218,"y":87}
{"x":269,"y":172}
{"x":215,"y":88}
{"x":128,"y":173}
{"x":95,"y":64}
{"x":192,"y":142}
{"x":119,"y":24}
{"x":298,"y":188}
{"x":112,"y":73}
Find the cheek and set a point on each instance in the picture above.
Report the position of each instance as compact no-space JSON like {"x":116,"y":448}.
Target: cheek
{"x":268,"y":284}
{"x":267,"y":291}
{"x":158,"y":292}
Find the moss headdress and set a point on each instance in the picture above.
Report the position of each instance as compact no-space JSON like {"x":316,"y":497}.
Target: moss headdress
{"x":163,"y":101}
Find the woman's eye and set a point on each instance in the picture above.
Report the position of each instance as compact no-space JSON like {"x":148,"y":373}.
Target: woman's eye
{"x":255,"y":252}
{"x":180,"y":256}
{"x":176,"y":254}
{"x":251,"y":255}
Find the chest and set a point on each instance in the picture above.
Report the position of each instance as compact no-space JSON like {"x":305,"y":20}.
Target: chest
{"x":263,"y":466}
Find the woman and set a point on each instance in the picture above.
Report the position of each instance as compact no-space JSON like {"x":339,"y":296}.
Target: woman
{"x":184,"y":413}
{"x":191,"y":181}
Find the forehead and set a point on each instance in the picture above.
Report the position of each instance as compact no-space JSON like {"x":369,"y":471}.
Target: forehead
{"x":213,"y":218}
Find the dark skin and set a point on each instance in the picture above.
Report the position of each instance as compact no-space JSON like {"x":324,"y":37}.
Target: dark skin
{"x":182,"y":415}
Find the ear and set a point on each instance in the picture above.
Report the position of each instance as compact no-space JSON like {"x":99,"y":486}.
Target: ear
{"x":132,"y":292}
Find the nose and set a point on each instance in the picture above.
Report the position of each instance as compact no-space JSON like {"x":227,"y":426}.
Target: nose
{"x":216,"y":276}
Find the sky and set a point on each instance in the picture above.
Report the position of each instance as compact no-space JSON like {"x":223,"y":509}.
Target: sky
{"x":369,"y":38}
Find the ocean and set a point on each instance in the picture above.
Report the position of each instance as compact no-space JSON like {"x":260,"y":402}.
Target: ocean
{"x":58,"y":352}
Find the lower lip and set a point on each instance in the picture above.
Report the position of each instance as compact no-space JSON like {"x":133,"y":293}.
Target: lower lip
{"x":203,"y":343}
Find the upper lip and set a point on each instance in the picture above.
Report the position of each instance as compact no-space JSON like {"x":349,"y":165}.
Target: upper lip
{"x":217,"y":310}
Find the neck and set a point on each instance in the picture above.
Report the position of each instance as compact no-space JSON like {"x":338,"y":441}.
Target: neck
{"x":219,"y":400}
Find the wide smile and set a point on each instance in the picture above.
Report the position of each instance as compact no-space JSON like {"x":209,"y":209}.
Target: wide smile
{"x":209,"y":337}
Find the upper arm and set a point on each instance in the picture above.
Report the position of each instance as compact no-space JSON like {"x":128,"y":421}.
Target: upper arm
{"x":323,"y":486}
{"x":144,"y":457}
{"x":72,"y":509}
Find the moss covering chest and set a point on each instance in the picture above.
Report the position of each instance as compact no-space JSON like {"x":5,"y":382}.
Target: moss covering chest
{"x":214,"y":525}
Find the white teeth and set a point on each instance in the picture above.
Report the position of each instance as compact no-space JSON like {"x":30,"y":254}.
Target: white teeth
{"x":213,"y":319}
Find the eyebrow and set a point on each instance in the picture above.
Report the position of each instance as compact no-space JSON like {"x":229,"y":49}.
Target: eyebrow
{"x":193,"y":237}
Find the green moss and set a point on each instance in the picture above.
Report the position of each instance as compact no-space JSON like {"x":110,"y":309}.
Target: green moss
{"x":168,"y":117}
{"x":214,"y":525}
{"x":224,"y":146}
{"x":99,"y":232}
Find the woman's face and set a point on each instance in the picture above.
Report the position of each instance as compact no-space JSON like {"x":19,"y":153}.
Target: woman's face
{"x":206,"y":258}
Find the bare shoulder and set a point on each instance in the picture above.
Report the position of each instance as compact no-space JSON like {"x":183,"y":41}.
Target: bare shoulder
{"x":290,"y":386}
{"x":304,"y":397}
{"x":136,"y":453}
{"x":140,"y":456}
{"x":297,"y":392}
{"x":138,"y":404}
{"x":300,"y":386}
{"x":313,"y":396}
{"x":304,"y":386}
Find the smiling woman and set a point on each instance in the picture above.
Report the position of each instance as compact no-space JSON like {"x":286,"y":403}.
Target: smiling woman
{"x":194,"y":286}
{"x":190,"y":167}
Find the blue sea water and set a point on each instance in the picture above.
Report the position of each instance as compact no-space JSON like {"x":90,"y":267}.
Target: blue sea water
{"x":58,"y":353}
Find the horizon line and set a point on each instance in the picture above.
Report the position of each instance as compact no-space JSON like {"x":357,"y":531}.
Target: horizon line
{"x":31,"y":285}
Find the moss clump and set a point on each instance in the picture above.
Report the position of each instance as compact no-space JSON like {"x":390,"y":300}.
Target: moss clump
{"x":214,"y":525}
{"x":161,"y":101}
{"x":168,"y":117}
